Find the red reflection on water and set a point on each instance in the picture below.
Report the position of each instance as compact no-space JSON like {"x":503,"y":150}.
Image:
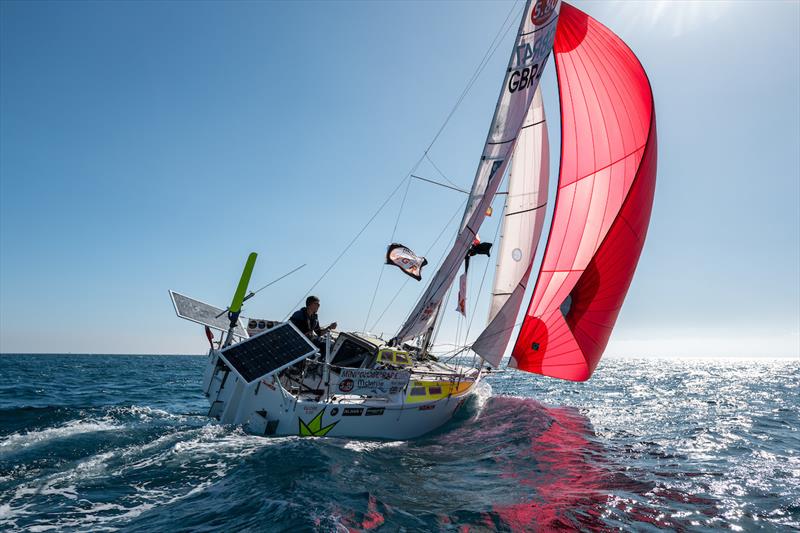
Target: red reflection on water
{"x":370,"y":519}
{"x":572,"y":482}
{"x":563,"y":476}
{"x":537,"y":468}
{"x":373,"y":518}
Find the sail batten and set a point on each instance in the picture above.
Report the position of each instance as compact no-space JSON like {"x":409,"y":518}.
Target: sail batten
{"x":521,"y":231}
{"x":603,"y":203}
{"x":529,"y":56}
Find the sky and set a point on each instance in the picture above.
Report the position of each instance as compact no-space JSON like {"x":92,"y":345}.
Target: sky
{"x":147,"y":146}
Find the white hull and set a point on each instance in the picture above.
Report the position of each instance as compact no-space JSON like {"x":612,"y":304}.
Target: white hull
{"x":266,"y":407}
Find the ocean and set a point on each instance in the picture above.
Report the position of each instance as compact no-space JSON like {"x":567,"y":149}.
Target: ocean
{"x":117,"y":442}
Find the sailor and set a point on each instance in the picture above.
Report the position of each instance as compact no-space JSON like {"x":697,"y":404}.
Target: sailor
{"x":307,"y":321}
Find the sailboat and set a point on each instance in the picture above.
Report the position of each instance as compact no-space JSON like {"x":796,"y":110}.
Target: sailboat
{"x":273,"y":380}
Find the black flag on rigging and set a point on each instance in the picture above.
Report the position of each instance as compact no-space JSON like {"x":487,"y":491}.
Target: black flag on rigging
{"x":482,"y":248}
{"x":477,"y":248}
{"x":406,"y":260}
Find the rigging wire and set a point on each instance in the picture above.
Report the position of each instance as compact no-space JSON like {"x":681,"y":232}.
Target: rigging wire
{"x":475,"y":75}
{"x":484,"y":61}
{"x":438,"y":262}
{"x":402,"y":205}
{"x":462,"y":320}
{"x":461,"y":349}
{"x":440,"y":184}
{"x":435,"y":166}
{"x":349,"y":245}
{"x":487,"y":56}
{"x":396,"y":294}
{"x":439,"y":325}
{"x":383,"y":266}
{"x":481,"y":66}
{"x":253,"y":293}
{"x":483,"y":279}
{"x":459,"y":322}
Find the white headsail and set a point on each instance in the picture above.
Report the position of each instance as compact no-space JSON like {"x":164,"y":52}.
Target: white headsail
{"x":522,"y":228}
{"x":532,"y":48}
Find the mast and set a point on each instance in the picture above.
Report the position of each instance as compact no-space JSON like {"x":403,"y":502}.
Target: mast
{"x":528,"y":58}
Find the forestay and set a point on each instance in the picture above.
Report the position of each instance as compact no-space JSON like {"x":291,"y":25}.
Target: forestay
{"x":532,"y":47}
{"x":522,"y":228}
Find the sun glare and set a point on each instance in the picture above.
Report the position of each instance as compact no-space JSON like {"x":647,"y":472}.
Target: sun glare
{"x":674,"y":16}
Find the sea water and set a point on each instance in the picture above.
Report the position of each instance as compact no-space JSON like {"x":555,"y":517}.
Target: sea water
{"x":107,"y":443}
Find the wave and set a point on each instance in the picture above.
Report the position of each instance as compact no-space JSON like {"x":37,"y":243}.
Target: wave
{"x":645,"y":445}
{"x":45,"y":436}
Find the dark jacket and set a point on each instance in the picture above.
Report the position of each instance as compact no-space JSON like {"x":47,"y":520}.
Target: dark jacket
{"x":306,"y":324}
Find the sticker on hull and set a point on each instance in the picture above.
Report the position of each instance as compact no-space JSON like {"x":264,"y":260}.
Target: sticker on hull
{"x":314,"y":428}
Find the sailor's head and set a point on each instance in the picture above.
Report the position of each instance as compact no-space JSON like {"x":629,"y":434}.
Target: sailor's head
{"x":312,"y":304}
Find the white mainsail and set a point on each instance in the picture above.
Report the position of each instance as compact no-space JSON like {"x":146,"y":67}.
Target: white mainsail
{"x":522,"y":228}
{"x":532,"y":48}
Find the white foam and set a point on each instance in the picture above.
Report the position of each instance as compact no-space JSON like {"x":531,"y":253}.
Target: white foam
{"x":483,"y":391}
{"x":217,"y":448}
{"x":75,"y":427}
{"x":145,"y":413}
{"x":370,"y":446}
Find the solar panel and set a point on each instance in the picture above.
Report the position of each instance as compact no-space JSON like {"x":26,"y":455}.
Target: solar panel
{"x":205,"y":314}
{"x":268,"y":352}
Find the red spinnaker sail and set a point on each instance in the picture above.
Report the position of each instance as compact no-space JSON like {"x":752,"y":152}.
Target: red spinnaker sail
{"x":605,"y":195}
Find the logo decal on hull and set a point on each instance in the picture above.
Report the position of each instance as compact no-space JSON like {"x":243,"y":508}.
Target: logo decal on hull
{"x":314,"y":427}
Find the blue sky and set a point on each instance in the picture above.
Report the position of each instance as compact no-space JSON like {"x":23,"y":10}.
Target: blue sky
{"x":151,"y":146}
